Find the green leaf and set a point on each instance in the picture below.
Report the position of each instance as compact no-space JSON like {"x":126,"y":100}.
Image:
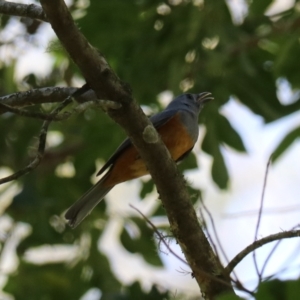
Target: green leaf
{"x":278,"y":290}
{"x":228,"y":135}
{"x":211,"y":146}
{"x":229,"y":296}
{"x":135,"y":292}
{"x":147,"y":188}
{"x":189,"y":162}
{"x":284,"y":63}
{"x":209,"y":142}
{"x":285,"y":143}
{"x":64,"y":281}
{"x":219,"y":171}
{"x":144,"y":244}
{"x":258,"y":7}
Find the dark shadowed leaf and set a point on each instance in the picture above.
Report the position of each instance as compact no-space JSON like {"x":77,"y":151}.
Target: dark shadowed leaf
{"x":258,"y":7}
{"x":189,"y":162}
{"x":229,"y":296}
{"x":228,"y":135}
{"x":287,"y":141}
{"x":147,"y":188}
{"x":277,"y":290}
{"x":143,"y":243}
{"x":219,"y":170}
{"x":135,"y":292}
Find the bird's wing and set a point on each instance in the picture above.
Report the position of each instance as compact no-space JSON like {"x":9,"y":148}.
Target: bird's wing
{"x":157,"y":120}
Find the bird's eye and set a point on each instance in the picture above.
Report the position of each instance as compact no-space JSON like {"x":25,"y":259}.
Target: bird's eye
{"x":190,"y":97}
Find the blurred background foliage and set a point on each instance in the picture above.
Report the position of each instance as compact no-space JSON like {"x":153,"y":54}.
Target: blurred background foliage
{"x":155,"y":46}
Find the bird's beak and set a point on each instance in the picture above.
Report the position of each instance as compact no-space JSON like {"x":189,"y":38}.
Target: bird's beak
{"x":205,"y":97}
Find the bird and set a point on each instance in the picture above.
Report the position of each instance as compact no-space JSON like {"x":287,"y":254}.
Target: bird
{"x":178,"y":128}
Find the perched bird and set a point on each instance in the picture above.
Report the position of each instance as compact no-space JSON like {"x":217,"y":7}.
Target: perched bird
{"x":178,"y":128}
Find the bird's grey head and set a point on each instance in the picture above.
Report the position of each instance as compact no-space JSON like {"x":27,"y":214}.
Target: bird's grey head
{"x":190,"y":102}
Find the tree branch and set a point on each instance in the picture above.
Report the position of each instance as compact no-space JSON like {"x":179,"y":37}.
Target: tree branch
{"x":23,"y":10}
{"x":41,"y":148}
{"x":169,"y":181}
{"x":104,"y":104}
{"x":9,"y":103}
{"x":33,"y":114}
{"x":45,"y":95}
{"x":259,"y":243}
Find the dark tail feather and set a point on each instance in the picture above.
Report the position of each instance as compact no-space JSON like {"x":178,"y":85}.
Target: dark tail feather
{"x":84,"y":205}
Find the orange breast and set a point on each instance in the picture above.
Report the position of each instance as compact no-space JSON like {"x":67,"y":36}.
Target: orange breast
{"x":176,"y":137}
{"x":129,"y":165}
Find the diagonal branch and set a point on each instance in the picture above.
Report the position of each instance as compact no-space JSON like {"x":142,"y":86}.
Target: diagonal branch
{"x":169,"y":181}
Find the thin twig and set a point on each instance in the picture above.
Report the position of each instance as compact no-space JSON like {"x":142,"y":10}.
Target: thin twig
{"x":207,"y":275}
{"x":272,"y":251}
{"x":291,"y":258}
{"x":238,"y":283}
{"x":208,"y":234}
{"x":269,"y":257}
{"x":287,"y":269}
{"x":161,"y":238}
{"x":259,"y":243}
{"x":41,"y":147}
{"x":259,"y":217}
{"x":215,"y":232}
